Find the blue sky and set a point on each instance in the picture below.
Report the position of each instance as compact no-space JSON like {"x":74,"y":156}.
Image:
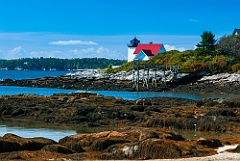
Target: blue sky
{"x":102,"y":28}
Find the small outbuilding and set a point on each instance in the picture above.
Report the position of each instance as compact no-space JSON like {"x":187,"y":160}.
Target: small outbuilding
{"x":143,"y":51}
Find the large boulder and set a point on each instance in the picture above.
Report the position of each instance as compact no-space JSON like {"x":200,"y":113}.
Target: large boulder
{"x":210,"y":142}
{"x":103,"y":140}
{"x":11,"y":142}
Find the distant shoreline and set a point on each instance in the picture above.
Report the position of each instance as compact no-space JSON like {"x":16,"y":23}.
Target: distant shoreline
{"x":213,"y":84}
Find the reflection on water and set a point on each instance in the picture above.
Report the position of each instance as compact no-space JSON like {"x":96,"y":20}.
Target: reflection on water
{"x":55,"y":131}
{"x":192,"y":134}
{"x":51,"y":131}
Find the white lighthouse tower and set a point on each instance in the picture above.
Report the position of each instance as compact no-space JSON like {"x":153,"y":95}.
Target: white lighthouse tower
{"x":131,"y":48}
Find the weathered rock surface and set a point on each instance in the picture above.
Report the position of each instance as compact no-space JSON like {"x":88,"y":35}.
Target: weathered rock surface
{"x":210,"y":142}
{"x":57,"y":149}
{"x":220,"y":115}
{"x":223,"y":78}
{"x":11,"y":142}
{"x":124,"y":143}
{"x":142,"y":137}
{"x":136,"y":143}
{"x":189,"y":83}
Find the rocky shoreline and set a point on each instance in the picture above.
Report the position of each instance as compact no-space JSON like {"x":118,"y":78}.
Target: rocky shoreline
{"x":141,"y":126}
{"x":187,"y":83}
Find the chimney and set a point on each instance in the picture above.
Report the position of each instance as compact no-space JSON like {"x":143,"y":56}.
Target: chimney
{"x":151,"y":42}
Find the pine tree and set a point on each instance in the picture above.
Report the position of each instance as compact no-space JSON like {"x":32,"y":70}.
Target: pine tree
{"x":208,"y":42}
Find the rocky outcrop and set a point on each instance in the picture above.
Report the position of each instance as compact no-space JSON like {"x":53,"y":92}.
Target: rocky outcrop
{"x":222,"y":79}
{"x":96,"y":110}
{"x":124,"y":143}
{"x":103,"y":140}
{"x":135,"y":143}
{"x":123,"y":81}
{"x":210,"y":142}
{"x":11,"y":142}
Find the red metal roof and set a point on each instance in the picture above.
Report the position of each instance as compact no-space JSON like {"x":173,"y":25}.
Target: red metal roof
{"x":155,"y":48}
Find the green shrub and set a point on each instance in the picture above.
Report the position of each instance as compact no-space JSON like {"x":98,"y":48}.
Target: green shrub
{"x":236,"y":67}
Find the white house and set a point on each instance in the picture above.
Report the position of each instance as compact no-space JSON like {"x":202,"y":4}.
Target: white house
{"x":144,"y":55}
{"x":143,"y":51}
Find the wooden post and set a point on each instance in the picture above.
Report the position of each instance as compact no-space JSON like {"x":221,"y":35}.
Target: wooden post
{"x":155,"y":77}
{"x":137,"y":75}
{"x":164,"y":75}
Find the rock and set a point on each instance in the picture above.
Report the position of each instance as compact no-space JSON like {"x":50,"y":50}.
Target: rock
{"x":74,"y":146}
{"x":103,"y":140}
{"x":18,"y":112}
{"x":144,"y":101}
{"x":11,"y":142}
{"x":237,"y":149}
{"x":221,"y":78}
{"x":159,"y":148}
{"x":232,"y":102}
{"x":100,"y":144}
{"x":209,"y":142}
{"x":57,"y":148}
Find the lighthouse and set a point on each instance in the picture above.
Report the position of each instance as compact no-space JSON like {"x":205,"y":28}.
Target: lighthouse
{"x":131,"y":48}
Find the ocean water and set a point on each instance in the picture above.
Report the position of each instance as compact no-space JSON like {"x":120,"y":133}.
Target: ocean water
{"x":21,"y":74}
{"x":54,"y":134}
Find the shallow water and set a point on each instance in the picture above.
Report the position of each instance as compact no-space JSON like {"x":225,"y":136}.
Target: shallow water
{"x":192,"y":134}
{"x":50,"y":131}
{"x":15,"y":90}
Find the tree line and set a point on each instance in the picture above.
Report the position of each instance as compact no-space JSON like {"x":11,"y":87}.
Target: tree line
{"x":58,"y":64}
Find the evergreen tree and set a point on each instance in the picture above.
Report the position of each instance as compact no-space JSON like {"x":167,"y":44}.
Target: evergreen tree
{"x":208,"y":42}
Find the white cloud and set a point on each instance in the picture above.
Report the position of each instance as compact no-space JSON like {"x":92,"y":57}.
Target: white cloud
{"x":15,"y":53}
{"x":73,"y":42}
{"x":169,"y":47}
{"x":81,"y":51}
{"x":101,"y":52}
{"x":17,"y":50}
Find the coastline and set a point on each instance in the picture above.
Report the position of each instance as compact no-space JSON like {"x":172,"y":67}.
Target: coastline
{"x":224,"y":83}
{"x":149,"y":114}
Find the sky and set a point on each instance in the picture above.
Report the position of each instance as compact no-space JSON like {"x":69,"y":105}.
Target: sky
{"x":103,"y":28}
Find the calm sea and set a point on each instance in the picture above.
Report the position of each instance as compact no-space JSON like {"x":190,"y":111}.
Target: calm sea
{"x":18,"y":75}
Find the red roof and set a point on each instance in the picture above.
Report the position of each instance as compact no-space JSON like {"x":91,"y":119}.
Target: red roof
{"x":155,"y":48}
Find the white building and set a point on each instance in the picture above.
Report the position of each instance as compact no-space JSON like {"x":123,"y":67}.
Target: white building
{"x":131,"y":48}
{"x":143,"y":51}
